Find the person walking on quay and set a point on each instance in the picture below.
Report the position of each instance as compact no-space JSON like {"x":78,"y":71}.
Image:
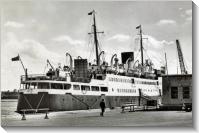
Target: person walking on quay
{"x":102,"y":106}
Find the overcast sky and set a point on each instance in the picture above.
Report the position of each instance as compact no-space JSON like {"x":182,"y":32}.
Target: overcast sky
{"x":47,"y":30}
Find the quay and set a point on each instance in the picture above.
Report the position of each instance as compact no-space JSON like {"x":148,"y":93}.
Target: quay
{"x":92,"y":118}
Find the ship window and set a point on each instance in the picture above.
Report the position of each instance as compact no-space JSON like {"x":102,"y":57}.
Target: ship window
{"x":186,"y":92}
{"x":32,"y":85}
{"x":104,"y":89}
{"x":43,"y":86}
{"x":132,"y":81}
{"x":56,"y":86}
{"x":67,"y":86}
{"x":99,"y":77}
{"x":83,"y":87}
{"x":95,"y":88}
{"x":174,"y":92}
{"x":76,"y":87}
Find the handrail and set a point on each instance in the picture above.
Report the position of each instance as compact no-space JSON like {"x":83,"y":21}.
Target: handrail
{"x":34,"y":75}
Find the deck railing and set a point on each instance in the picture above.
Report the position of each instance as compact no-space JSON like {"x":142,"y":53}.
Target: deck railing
{"x":33,"y":77}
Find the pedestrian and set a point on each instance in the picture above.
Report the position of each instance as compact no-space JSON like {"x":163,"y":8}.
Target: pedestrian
{"x":102,"y":106}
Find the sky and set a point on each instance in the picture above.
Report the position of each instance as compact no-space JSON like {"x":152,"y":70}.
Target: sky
{"x":43,"y":30}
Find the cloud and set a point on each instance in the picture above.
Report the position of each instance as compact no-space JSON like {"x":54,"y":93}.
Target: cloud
{"x":166,"y":22}
{"x":28,"y":48}
{"x":152,"y":42}
{"x":13,"y":24}
{"x":180,"y":8}
{"x":68,"y":39}
{"x":153,"y":49}
{"x":119,"y":37}
{"x":188,"y":14}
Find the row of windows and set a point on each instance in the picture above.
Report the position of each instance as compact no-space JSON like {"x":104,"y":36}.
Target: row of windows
{"x":146,"y":82}
{"x":87,"y":88}
{"x":185,"y":93}
{"x":64,"y":86}
{"x":149,"y":90}
{"x":121,"y":80}
{"x":126,"y":90}
{"x":132,"y":81}
{"x":48,"y":86}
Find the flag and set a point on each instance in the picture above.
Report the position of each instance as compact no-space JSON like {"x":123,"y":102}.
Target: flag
{"x":138,"y":27}
{"x":90,"y":13}
{"x":15,"y":58}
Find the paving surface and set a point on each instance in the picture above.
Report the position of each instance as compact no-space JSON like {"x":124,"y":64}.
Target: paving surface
{"x":111,"y":118}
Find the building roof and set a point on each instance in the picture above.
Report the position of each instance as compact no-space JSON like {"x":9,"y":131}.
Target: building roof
{"x":176,"y":75}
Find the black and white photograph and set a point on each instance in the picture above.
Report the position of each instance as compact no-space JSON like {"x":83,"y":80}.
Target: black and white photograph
{"x":96,"y":63}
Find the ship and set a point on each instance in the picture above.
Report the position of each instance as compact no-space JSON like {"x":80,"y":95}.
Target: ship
{"x":84,"y":85}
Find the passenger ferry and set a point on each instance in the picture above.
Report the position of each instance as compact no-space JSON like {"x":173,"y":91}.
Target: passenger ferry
{"x":84,"y":85}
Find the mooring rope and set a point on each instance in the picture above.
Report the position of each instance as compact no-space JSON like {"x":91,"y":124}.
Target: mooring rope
{"x":79,"y":100}
{"x":27,"y":101}
{"x":39,"y":102}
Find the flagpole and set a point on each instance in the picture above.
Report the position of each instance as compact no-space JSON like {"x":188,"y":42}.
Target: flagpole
{"x":25,"y":69}
{"x":22,"y":63}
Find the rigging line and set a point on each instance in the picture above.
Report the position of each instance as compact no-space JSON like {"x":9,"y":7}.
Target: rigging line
{"x":40,"y":101}
{"x":79,"y":100}
{"x":95,"y":101}
{"x":137,"y":55}
{"x":159,"y":60}
{"x":89,"y":27}
{"x":27,"y":101}
{"x":45,"y":69}
{"x":91,"y":51}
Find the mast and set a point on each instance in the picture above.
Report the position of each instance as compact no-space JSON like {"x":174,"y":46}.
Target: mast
{"x":141,"y":46}
{"x":95,"y":37}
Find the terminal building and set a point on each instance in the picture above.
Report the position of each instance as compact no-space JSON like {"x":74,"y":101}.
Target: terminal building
{"x":176,"y":91}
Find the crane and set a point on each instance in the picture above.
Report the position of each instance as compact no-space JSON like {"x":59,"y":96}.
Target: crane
{"x":181,"y":59}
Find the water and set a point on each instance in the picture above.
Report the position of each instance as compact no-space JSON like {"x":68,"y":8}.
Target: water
{"x":8,"y":108}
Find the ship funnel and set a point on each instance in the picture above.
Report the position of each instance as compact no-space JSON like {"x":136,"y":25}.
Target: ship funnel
{"x":126,"y":55}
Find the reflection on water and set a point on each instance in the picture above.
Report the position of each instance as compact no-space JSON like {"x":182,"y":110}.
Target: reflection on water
{"x":8,"y":107}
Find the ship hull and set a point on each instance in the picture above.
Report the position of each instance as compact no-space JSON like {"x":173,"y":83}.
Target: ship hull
{"x":68,"y":102}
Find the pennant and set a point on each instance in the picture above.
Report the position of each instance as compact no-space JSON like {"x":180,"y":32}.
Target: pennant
{"x":90,"y":13}
{"x":15,"y":58}
{"x":138,"y":27}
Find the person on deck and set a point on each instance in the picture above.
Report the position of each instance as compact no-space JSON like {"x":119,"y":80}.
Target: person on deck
{"x":102,"y":106}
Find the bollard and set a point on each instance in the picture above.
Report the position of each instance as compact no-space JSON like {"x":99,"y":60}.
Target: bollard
{"x":23,"y":116}
{"x":46,"y":116}
{"x":122,"y":109}
{"x":131,"y":109}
